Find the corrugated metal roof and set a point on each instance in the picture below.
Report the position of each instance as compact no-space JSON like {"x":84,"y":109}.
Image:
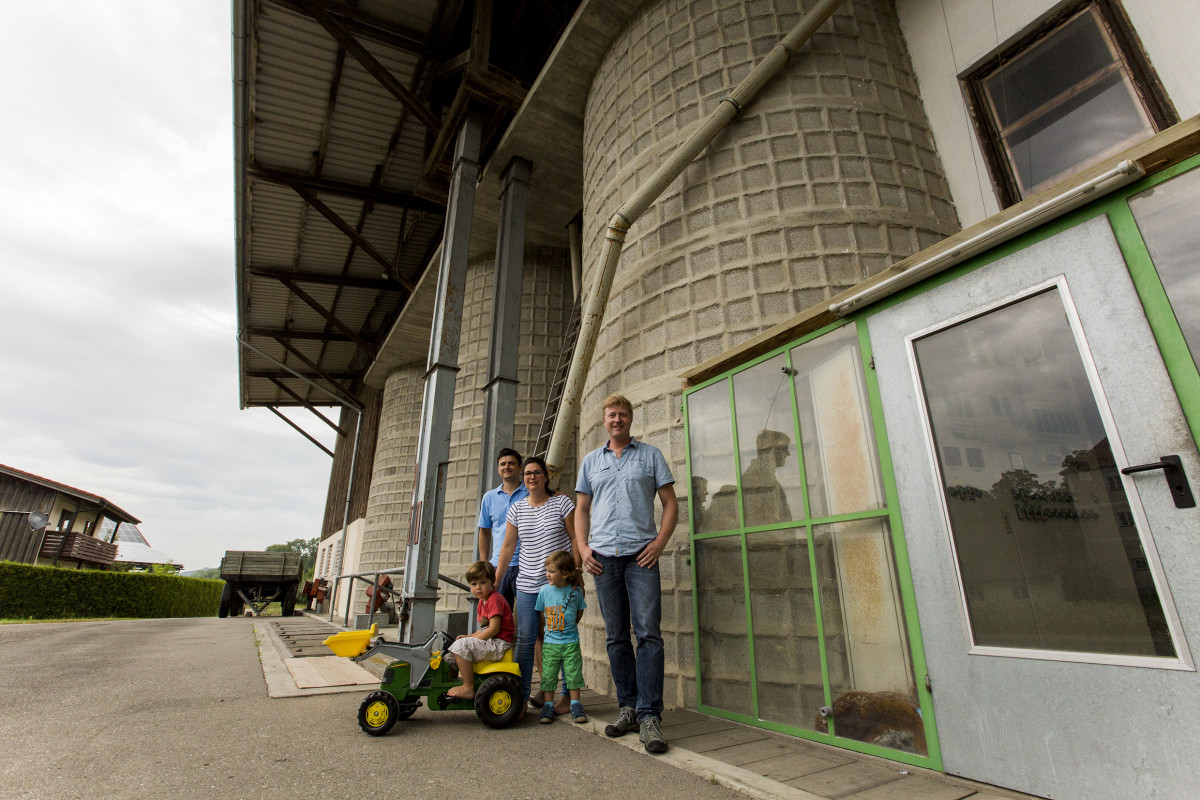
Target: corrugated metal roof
{"x":318,"y":135}
{"x":313,"y":112}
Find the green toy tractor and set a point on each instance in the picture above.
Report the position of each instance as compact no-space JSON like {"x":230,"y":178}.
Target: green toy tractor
{"x":421,"y":671}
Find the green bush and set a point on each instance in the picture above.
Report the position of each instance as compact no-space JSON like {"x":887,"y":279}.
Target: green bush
{"x":29,"y":592}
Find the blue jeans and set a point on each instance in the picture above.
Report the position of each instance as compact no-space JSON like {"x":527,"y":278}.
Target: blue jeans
{"x":529,"y":621}
{"x":508,"y":586}
{"x":625,"y":592}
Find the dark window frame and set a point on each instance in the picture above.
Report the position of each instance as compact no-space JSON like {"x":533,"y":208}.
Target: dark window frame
{"x":1144,"y":81}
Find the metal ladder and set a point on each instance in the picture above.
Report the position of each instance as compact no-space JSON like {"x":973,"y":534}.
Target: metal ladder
{"x":560,"y":381}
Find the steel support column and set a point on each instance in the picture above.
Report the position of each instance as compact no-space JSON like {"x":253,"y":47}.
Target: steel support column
{"x":424,"y":553}
{"x":499,"y":406}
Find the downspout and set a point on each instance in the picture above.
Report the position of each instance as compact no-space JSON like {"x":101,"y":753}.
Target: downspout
{"x":574,"y":233}
{"x":635,"y":206}
{"x":241,"y":145}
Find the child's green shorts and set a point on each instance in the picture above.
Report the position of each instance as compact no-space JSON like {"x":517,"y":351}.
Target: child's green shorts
{"x":566,"y":655}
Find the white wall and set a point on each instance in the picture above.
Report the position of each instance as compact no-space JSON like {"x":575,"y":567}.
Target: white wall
{"x":947,"y":38}
{"x":327,"y":568}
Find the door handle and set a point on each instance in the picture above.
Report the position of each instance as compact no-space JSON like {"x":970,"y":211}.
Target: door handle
{"x":1177,"y":482}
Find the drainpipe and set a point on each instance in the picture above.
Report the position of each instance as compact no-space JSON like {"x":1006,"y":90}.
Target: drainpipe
{"x":574,"y":233}
{"x":635,"y":206}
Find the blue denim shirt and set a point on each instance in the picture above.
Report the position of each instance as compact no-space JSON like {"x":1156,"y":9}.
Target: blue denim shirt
{"x":622,"y":492}
{"x":493,"y":513}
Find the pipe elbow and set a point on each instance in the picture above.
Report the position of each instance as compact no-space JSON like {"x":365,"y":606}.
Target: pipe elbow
{"x":619,"y":223}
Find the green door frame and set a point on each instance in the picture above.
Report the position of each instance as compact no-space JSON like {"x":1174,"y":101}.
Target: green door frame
{"x":890,"y":512}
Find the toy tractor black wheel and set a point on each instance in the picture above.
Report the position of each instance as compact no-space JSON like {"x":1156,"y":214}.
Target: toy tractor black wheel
{"x":289,"y":600}
{"x":498,"y":701}
{"x":226,"y":601}
{"x":378,"y":713}
{"x":406,"y":710}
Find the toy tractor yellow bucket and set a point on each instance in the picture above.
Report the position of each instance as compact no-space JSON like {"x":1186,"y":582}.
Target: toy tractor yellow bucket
{"x":349,"y":644}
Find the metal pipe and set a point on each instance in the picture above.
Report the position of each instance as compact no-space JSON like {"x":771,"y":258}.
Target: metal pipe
{"x":241,"y":147}
{"x":1120,"y":175}
{"x":1124,"y":173}
{"x":574,"y":234}
{"x":635,"y":206}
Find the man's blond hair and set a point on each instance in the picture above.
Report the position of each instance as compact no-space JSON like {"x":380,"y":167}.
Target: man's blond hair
{"x":618,"y":401}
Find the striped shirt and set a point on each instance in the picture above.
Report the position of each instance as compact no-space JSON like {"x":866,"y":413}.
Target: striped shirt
{"x":541,"y":531}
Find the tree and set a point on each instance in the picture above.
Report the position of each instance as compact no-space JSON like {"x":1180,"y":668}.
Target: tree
{"x":307,"y":548}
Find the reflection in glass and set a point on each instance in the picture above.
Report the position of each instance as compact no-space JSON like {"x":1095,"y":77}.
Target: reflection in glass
{"x":1047,"y":546}
{"x":841,"y":464}
{"x":710,"y":440}
{"x":866,"y":642}
{"x":1064,"y":103}
{"x":1167,"y":216}
{"x":721,"y":609}
{"x":787,"y":656}
{"x":770,"y":470}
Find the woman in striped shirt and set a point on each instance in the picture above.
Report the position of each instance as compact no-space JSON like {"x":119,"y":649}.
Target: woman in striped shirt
{"x":543,"y":522}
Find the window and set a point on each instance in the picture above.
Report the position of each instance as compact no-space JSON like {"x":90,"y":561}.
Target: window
{"x":797,"y":592}
{"x":1167,"y":215}
{"x":1045,"y":562}
{"x":1074,"y":92}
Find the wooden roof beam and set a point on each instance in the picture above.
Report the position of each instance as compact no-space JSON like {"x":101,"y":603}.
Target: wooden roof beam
{"x":329,"y":316}
{"x":298,"y":374}
{"x":353,"y":191}
{"x":328,"y":279}
{"x":295,"y":396}
{"x":353,"y":235}
{"x":363,"y":24}
{"x":289,"y":334}
{"x":341,"y":34}
{"x":286,"y":345}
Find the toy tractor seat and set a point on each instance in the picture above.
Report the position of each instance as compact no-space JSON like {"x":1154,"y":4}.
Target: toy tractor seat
{"x":505,"y":664}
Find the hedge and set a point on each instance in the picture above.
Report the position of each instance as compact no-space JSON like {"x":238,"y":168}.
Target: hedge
{"x":30,"y":592}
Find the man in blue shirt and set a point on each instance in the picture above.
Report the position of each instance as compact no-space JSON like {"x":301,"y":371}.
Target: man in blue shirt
{"x":493,"y":513}
{"x":614,"y":526}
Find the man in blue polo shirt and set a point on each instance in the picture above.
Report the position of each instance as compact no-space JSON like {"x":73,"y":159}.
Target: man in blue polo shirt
{"x":493,"y":513}
{"x":614,"y":526}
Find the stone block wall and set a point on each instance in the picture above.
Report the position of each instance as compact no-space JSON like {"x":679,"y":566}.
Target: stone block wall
{"x":390,"y":496}
{"x":546,"y":305}
{"x":828,"y":177}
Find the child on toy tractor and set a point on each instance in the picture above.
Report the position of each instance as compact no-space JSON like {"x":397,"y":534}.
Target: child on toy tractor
{"x":496,"y":629}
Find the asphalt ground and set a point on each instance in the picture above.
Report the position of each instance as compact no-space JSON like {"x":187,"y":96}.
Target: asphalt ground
{"x":179,"y":708}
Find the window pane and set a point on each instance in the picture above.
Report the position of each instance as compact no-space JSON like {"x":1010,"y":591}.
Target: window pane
{"x":841,"y":465}
{"x":1062,"y":103}
{"x":1095,"y":123}
{"x":1054,"y":66}
{"x":1049,"y":553}
{"x":766,"y":437}
{"x":787,"y":655}
{"x":1168,"y":217}
{"x":721,"y":608}
{"x":866,"y":643}
{"x":710,"y":437}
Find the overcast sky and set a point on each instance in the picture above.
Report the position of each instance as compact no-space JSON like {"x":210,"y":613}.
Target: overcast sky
{"x":118,"y":362}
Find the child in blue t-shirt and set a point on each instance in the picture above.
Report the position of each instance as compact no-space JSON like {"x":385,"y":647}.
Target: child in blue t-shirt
{"x":561,"y":605}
